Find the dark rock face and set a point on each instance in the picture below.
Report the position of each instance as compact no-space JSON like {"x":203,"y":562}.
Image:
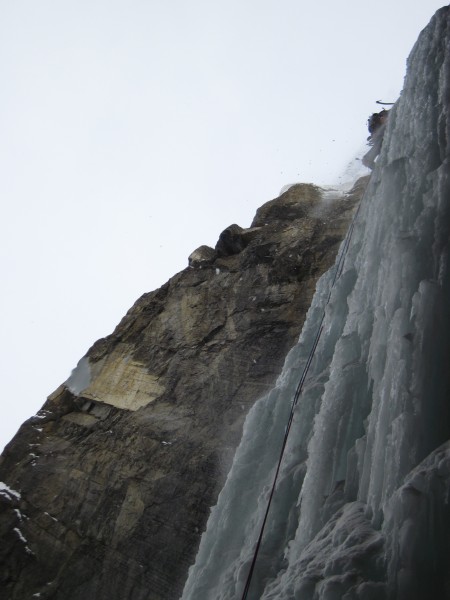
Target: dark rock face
{"x":107,"y":490}
{"x":204,"y":255}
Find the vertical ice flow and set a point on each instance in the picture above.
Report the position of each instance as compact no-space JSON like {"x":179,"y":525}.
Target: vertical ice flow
{"x":373,"y":419}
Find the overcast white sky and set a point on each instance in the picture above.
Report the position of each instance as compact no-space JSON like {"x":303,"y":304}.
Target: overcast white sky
{"x":132,"y":132}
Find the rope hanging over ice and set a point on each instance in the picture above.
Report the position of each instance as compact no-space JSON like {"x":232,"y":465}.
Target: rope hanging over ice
{"x":298,"y":391}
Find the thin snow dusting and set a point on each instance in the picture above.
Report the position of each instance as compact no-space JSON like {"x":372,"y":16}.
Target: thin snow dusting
{"x":20,"y":534}
{"x":22,"y":539}
{"x":42,"y":414}
{"x":5,"y":490}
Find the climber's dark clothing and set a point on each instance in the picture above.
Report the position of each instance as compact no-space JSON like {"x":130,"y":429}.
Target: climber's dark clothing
{"x":377,"y":125}
{"x":377,"y":120}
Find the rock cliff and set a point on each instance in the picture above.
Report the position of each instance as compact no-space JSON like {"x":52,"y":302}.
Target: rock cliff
{"x":105,"y":492}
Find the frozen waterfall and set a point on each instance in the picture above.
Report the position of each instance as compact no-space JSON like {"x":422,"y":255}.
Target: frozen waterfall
{"x":361,"y":508}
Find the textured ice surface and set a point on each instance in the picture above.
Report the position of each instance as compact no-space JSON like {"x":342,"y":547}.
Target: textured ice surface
{"x":361,"y":508}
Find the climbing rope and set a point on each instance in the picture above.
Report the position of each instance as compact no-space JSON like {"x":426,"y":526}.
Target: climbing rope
{"x":298,"y":391}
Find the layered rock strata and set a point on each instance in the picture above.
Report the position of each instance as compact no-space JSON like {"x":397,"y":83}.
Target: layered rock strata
{"x":107,"y":489}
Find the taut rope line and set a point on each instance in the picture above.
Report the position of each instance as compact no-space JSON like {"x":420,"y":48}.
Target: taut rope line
{"x":298,"y":391}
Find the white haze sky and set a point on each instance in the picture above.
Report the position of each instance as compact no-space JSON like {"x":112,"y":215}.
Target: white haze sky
{"x":132,"y":132}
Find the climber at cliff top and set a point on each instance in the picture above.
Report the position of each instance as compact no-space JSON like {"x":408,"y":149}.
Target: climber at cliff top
{"x":376,"y":125}
{"x":376,"y":120}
